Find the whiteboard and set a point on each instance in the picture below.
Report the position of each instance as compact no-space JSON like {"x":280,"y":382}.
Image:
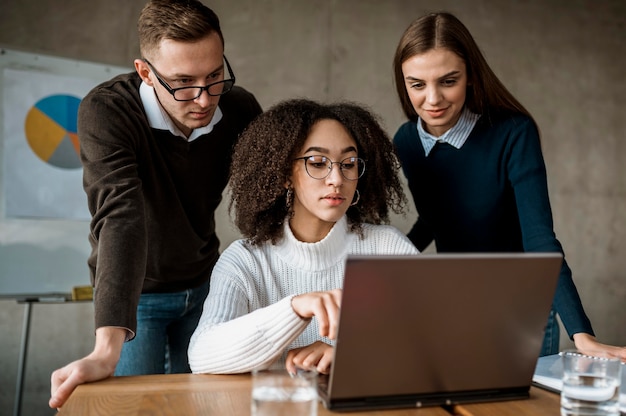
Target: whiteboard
{"x":43,"y":243}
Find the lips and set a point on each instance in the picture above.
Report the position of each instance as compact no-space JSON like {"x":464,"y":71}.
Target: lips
{"x":436,"y":113}
{"x":334,"y":199}
{"x":201,"y":113}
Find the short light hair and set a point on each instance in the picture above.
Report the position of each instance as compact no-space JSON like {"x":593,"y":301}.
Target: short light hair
{"x":179,"y":20}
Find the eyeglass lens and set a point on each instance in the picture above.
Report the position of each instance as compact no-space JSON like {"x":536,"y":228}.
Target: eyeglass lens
{"x":319,"y":167}
{"x":191,"y":93}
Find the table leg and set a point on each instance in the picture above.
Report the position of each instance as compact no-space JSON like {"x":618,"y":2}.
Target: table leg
{"x":21,"y":366}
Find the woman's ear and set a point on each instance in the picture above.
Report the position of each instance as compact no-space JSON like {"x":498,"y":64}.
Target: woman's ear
{"x":287,"y":183}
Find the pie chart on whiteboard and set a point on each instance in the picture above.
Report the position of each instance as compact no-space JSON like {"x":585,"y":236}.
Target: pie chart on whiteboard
{"x":50,"y":128}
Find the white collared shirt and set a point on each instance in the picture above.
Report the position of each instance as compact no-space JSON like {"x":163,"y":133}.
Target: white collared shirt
{"x":456,"y":136}
{"x":159,"y":119}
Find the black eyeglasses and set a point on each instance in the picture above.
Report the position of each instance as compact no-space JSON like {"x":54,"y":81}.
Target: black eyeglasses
{"x":191,"y":93}
{"x":319,"y":167}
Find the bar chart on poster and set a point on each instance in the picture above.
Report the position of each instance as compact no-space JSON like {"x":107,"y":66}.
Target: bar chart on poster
{"x":44,"y":219}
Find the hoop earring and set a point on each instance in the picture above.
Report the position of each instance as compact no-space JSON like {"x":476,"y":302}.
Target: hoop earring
{"x":289,"y":198}
{"x":358,"y":197}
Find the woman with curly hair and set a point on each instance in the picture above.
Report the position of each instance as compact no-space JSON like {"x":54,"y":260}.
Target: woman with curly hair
{"x":310,"y":184}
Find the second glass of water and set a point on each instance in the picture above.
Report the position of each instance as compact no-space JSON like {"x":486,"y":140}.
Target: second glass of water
{"x":591,"y":385}
{"x":278,"y":393}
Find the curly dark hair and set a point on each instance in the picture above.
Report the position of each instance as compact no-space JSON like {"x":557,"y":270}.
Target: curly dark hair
{"x":263,"y":161}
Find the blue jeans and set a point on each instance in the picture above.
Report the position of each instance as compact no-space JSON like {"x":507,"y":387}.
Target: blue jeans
{"x":551,"y":337}
{"x":165,"y":323}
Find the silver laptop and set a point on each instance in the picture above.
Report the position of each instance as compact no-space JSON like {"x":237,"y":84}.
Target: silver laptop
{"x":439,"y":329}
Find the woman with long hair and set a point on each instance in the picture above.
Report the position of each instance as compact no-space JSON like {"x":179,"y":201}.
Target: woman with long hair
{"x":472,"y":157}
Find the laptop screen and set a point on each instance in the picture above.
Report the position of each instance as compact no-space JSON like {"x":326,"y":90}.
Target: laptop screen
{"x":444,"y":328}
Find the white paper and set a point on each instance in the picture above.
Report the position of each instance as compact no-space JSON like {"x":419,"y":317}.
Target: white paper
{"x":34,"y":187}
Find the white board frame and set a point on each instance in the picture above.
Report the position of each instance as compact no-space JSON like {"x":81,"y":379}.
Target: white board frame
{"x":43,"y":256}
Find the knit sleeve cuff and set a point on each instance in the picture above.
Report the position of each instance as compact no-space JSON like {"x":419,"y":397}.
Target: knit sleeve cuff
{"x":254,"y":340}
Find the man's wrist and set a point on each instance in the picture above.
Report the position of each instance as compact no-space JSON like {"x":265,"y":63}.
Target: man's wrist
{"x":109,"y":342}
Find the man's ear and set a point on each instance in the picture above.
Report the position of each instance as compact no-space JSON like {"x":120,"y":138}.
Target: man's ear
{"x":143,"y":70}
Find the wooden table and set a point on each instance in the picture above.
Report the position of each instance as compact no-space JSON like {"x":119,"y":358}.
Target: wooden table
{"x":540,"y":403}
{"x":224,"y":395}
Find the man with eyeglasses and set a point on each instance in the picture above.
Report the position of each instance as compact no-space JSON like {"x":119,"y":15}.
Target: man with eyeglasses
{"x":156,"y":149}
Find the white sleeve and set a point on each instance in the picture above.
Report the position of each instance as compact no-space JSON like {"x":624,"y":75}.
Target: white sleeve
{"x":231,"y":339}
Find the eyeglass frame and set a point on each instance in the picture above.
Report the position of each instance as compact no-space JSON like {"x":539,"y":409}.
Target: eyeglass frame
{"x":202,"y":89}
{"x":330,"y":168}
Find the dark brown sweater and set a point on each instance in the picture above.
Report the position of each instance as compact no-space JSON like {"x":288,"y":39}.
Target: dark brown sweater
{"x":152,"y":196}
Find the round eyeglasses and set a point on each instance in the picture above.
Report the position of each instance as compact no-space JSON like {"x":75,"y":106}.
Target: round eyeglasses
{"x":319,"y":167}
{"x":191,"y":93}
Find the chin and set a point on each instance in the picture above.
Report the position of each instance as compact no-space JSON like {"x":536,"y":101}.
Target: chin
{"x":196,"y":124}
{"x":333,"y":218}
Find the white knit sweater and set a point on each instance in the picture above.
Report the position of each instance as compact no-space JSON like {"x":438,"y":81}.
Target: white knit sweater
{"x":248,"y":321}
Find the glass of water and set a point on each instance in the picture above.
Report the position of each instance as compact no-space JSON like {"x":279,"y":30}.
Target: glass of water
{"x":278,"y":393}
{"x":590,"y":385}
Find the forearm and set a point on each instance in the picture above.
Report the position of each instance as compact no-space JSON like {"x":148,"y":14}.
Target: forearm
{"x":568,"y":305}
{"x":529,"y":180}
{"x":250,"y":341}
{"x":118,"y":226}
{"x":109,"y":342}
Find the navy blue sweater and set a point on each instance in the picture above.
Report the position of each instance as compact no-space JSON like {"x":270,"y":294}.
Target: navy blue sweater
{"x":489,"y":196}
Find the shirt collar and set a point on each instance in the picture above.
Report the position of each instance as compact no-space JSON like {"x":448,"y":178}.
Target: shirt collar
{"x":159,"y":119}
{"x":456,"y":136}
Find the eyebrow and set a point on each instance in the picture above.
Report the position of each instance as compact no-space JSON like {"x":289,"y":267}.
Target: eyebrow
{"x":182,"y":75}
{"x":325,"y":150}
{"x":449,"y":74}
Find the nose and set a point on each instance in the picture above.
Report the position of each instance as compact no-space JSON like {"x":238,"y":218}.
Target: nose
{"x":204,"y":98}
{"x":335,"y":177}
{"x":433,"y":95}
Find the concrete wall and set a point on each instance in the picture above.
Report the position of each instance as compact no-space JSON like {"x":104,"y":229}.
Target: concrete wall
{"x":564,"y":60}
